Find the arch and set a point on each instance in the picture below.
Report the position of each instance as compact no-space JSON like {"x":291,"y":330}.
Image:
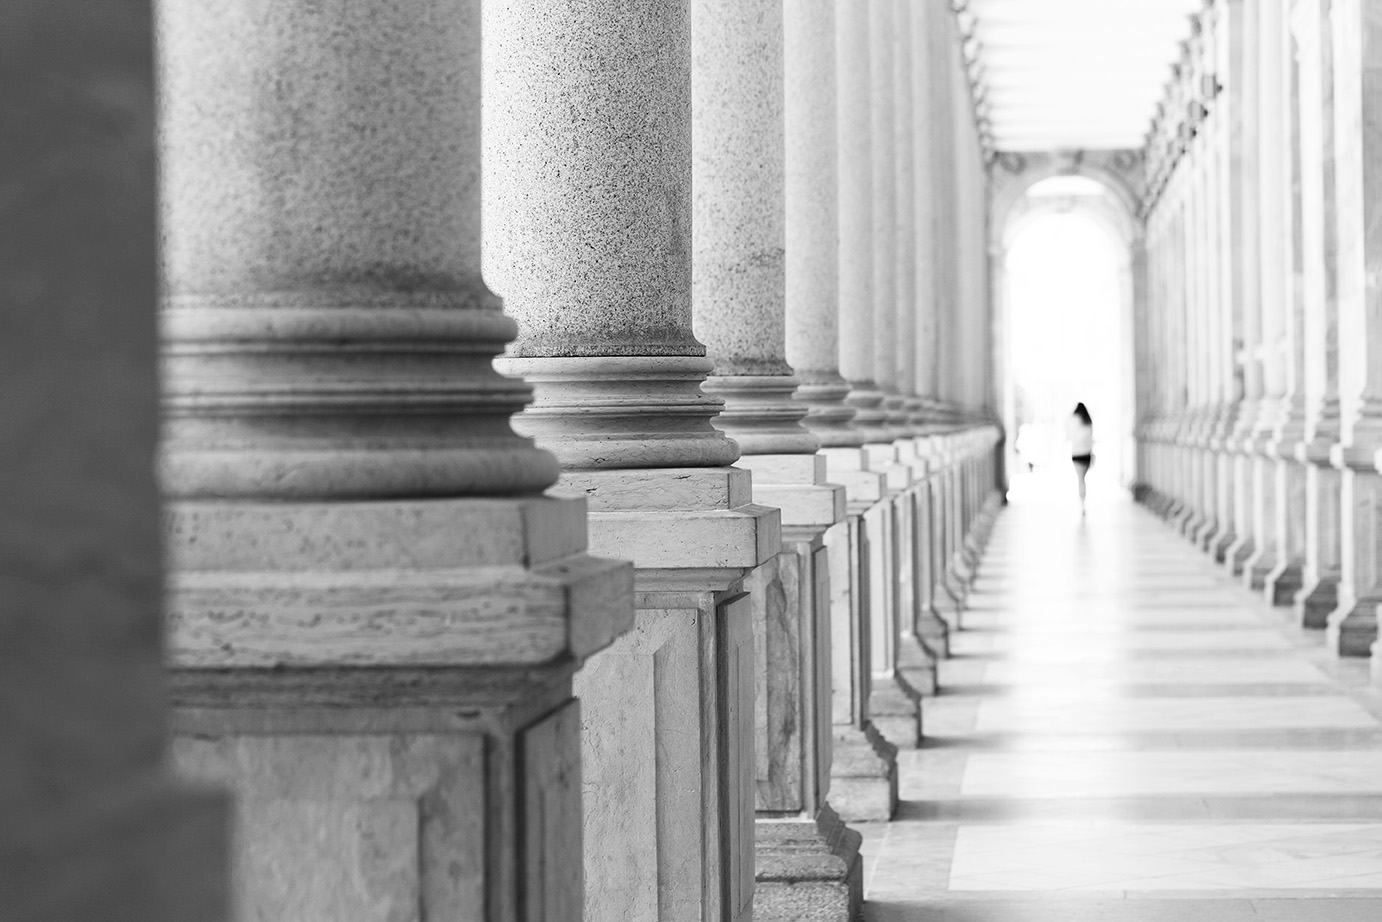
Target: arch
{"x":1014,"y":208}
{"x":1014,"y":175}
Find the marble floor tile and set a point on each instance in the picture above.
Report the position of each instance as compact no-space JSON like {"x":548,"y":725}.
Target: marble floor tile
{"x":1126,"y":735}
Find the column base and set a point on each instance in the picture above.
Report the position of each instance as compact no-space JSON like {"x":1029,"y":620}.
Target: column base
{"x":863,"y":776}
{"x":1283,"y":584}
{"x":1313,"y":604}
{"x":1352,"y":631}
{"x":1204,"y":535}
{"x":933,"y":633}
{"x":1219,"y":545}
{"x":917,"y":664}
{"x":1238,"y":555}
{"x":895,"y":708}
{"x":1191,"y":524}
{"x":808,"y":871}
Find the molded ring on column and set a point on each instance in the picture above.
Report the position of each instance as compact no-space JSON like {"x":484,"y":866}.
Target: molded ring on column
{"x":619,"y":411}
{"x":870,"y":416}
{"x":828,"y":417}
{"x":761,"y":415}
{"x":297,"y":396}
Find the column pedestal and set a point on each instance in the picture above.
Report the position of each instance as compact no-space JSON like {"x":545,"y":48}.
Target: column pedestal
{"x":1288,"y":576}
{"x":1319,"y":594}
{"x":805,"y":856}
{"x":809,"y":871}
{"x":863,"y":772}
{"x":668,"y":708}
{"x":1259,"y":566}
{"x":1352,"y":626}
{"x":371,"y":678}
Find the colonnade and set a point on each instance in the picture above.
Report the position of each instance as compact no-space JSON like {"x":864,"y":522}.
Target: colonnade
{"x":1261,"y":336}
{"x":587,"y":560}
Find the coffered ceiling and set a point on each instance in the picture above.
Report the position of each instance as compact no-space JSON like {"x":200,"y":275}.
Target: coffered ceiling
{"x":1075,"y":74}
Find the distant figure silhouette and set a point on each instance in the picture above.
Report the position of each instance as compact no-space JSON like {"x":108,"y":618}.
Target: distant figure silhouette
{"x":1081,"y":431}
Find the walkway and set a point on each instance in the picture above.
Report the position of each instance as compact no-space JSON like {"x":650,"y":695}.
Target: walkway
{"x":1126,"y":735}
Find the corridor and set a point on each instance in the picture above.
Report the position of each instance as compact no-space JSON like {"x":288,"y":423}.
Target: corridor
{"x":1126,"y":734}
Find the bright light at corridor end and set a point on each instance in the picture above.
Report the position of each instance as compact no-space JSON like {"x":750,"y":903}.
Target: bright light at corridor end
{"x":1075,"y":74}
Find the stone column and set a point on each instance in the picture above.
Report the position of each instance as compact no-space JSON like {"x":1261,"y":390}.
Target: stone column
{"x":1286,"y":579}
{"x":854,"y":127}
{"x":926,"y":624}
{"x":1273,"y":79}
{"x":93,"y":825}
{"x":929,"y":130}
{"x":884,"y":108}
{"x":805,"y":857}
{"x":867,"y":258}
{"x":588,"y":211}
{"x":375,"y":613}
{"x":1225,"y":236}
{"x":1243,"y":94}
{"x":1357,"y":33}
{"x":863,"y":768}
{"x":1319,"y":228}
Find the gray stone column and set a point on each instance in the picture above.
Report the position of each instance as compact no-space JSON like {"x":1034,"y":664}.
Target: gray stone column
{"x":867,"y":160}
{"x":93,"y":825}
{"x":1357,"y":48}
{"x":854,"y":127}
{"x":588,"y":211}
{"x":1287,"y":578}
{"x":863,"y":780}
{"x":1273,"y":80}
{"x":1319,"y":229}
{"x":375,"y":612}
{"x":805,"y":857}
{"x":1242,"y":94}
{"x":1221,"y":19}
{"x":886,"y":191}
{"x":917,"y":133}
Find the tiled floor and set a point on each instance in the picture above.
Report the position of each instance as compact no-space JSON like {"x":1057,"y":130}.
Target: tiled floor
{"x":1125,"y":734}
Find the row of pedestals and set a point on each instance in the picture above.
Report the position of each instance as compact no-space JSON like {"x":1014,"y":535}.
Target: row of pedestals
{"x":703,"y":766}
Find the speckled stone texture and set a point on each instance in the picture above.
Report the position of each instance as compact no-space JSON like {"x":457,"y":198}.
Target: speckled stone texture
{"x":91,"y":826}
{"x":854,"y":129}
{"x":737,"y":181}
{"x":809,"y":871}
{"x":588,"y":175}
{"x":738,"y":290}
{"x":321,"y":216}
{"x":587,"y":197}
{"x":812,"y":210}
{"x":374,"y":642}
{"x":905,"y":144}
{"x":883,"y":150}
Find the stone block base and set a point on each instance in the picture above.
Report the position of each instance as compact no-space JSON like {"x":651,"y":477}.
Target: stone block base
{"x":1218,"y":546}
{"x":1256,"y":572}
{"x":863,"y":777}
{"x":1283,"y":585}
{"x":895,"y":710}
{"x":1314,"y":603}
{"x":1238,"y":555}
{"x":1352,"y":632}
{"x":916,"y":661}
{"x":933,"y":634}
{"x":808,"y":872}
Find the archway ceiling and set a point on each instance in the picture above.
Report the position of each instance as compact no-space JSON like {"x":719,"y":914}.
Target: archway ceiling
{"x":1077,"y":74}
